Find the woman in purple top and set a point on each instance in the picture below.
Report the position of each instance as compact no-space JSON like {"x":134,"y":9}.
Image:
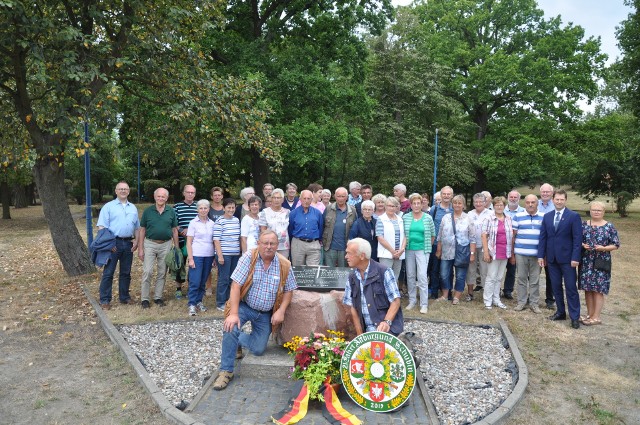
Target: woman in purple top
{"x":497,"y":249}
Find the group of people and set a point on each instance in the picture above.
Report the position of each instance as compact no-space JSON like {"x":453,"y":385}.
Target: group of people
{"x":445,"y":252}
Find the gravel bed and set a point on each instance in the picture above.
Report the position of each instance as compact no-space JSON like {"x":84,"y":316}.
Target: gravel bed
{"x":179,"y":356}
{"x":467,"y":369}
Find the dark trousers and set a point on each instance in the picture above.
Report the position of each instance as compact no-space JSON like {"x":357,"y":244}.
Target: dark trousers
{"x":548,"y":289}
{"x":510,"y":278}
{"x":123,"y":255}
{"x":560,"y":272}
{"x":434,"y":273}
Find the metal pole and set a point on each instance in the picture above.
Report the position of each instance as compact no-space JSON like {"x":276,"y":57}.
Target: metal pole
{"x":87,"y":184}
{"x":138,"y":176}
{"x":435,"y":171}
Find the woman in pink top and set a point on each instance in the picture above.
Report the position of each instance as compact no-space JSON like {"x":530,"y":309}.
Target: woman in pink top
{"x":497,"y":249}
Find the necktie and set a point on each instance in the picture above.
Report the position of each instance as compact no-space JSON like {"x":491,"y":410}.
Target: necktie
{"x":556,"y":221}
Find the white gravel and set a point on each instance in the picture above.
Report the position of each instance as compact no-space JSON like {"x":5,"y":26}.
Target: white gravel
{"x":467,"y":369}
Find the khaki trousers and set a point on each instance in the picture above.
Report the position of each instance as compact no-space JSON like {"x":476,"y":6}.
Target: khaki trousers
{"x":154,"y":253}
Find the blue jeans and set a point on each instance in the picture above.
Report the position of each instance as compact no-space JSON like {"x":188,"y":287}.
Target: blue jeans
{"x":224,"y":278}
{"x":124,"y":255}
{"x":198,"y":278}
{"x":446,"y":268}
{"x":256,"y":341}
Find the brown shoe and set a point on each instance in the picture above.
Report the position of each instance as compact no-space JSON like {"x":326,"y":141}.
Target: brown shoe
{"x":105,"y":306}
{"x":239,"y":353}
{"x":222,"y":380}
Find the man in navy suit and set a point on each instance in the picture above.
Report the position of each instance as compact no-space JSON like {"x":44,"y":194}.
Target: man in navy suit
{"x":559,"y":249}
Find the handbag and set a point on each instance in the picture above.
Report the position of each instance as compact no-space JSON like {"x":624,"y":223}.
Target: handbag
{"x":603,"y":264}
{"x":463,"y":252}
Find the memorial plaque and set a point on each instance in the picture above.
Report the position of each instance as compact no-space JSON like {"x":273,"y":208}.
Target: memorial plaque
{"x":321,"y":278}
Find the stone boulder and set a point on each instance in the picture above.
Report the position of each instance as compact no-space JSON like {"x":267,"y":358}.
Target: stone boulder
{"x":316,"y":312}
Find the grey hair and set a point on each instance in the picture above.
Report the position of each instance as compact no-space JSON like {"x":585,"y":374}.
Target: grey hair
{"x":460,"y":198}
{"x":293,"y":185}
{"x":479,"y":195}
{"x":203,"y":202}
{"x":400,"y":187}
{"x":364,"y":247}
{"x":354,"y":185}
{"x":393,"y":200}
{"x":486,"y":194}
{"x":368,"y":203}
{"x":277,"y":191}
{"x":326,"y":191}
{"x":244,"y":191}
{"x":379,"y":197}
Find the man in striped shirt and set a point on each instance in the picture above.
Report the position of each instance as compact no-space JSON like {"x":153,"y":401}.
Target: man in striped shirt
{"x":185,"y":212}
{"x":526,"y":227}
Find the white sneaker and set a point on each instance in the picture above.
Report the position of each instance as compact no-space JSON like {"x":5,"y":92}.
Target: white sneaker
{"x":410,"y":307}
{"x":424,"y":309}
{"x":500,"y":305}
{"x":192,"y":310}
{"x":201,"y":307}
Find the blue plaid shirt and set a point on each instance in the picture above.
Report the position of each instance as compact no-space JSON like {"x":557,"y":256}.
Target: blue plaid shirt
{"x":390,"y":287}
{"x":263,"y":291}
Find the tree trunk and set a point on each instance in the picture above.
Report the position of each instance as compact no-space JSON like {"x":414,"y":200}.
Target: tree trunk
{"x":5,"y":198}
{"x":260,"y":170}
{"x":49,"y":179}
{"x":20,"y":192}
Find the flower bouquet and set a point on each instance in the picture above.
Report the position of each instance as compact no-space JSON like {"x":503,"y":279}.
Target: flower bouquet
{"x":316,"y":359}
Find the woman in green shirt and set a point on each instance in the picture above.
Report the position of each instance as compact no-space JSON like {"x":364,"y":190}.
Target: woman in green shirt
{"x":420,"y":233}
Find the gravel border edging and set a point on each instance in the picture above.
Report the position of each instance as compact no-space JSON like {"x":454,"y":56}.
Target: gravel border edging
{"x":168,"y":410}
{"x":503,"y":411}
{"x":431,"y":409}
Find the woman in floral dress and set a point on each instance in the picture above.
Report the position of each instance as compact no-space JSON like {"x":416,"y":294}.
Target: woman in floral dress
{"x":599,"y":238}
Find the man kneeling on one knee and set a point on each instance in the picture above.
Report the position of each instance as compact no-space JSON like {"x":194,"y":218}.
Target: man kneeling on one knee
{"x":261,"y":290}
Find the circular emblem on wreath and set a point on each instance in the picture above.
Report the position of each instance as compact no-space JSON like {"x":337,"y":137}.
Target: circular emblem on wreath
{"x":378,"y":371}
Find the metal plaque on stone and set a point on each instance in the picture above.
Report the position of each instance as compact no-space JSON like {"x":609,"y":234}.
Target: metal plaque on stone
{"x":321,"y":278}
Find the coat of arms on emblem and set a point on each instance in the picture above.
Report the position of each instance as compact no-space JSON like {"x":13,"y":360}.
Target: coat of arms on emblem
{"x":378,"y":371}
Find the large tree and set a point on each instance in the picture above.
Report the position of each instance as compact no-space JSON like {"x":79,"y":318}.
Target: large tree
{"x":58,"y":63}
{"x":503,"y":55}
{"x":629,"y":41}
{"x":310,"y":56}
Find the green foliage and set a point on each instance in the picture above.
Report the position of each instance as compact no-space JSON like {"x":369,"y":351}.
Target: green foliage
{"x":623,"y":200}
{"x":150,"y":186}
{"x":628,"y":34}
{"x":502,"y":56}
{"x":607,"y":149}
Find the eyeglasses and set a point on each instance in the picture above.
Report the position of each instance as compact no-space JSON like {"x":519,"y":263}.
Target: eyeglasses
{"x":123,"y":188}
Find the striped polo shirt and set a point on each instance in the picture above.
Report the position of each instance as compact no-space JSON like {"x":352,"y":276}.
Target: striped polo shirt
{"x":185,"y":214}
{"x":527,"y":228}
{"x":227,"y":231}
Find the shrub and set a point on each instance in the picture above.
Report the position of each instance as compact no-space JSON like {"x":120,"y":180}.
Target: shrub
{"x":623,"y":199}
{"x":150,"y":186}
{"x":106,"y":198}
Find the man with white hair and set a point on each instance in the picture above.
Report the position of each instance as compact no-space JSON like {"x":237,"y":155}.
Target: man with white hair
{"x":400,"y":192}
{"x":545,"y":204}
{"x":488,"y":200}
{"x":338,"y":219}
{"x":354,"y":196}
{"x":368,"y":311}
{"x":158,"y":228}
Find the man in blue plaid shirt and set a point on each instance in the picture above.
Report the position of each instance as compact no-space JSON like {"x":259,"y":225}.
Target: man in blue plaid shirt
{"x":257,"y":307}
{"x":372,"y":292}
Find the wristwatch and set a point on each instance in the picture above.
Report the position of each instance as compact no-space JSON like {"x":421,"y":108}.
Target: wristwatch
{"x":388,"y":322}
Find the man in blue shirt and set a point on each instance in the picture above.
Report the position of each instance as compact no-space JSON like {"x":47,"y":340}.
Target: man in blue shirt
{"x":437,"y":213}
{"x":513,"y":208}
{"x":545,"y":204}
{"x":121,"y":217}
{"x":306,"y":225}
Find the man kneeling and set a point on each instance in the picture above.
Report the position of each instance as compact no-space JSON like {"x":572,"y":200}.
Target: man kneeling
{"x":372,"y":292}
{"x":261,"y":290}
